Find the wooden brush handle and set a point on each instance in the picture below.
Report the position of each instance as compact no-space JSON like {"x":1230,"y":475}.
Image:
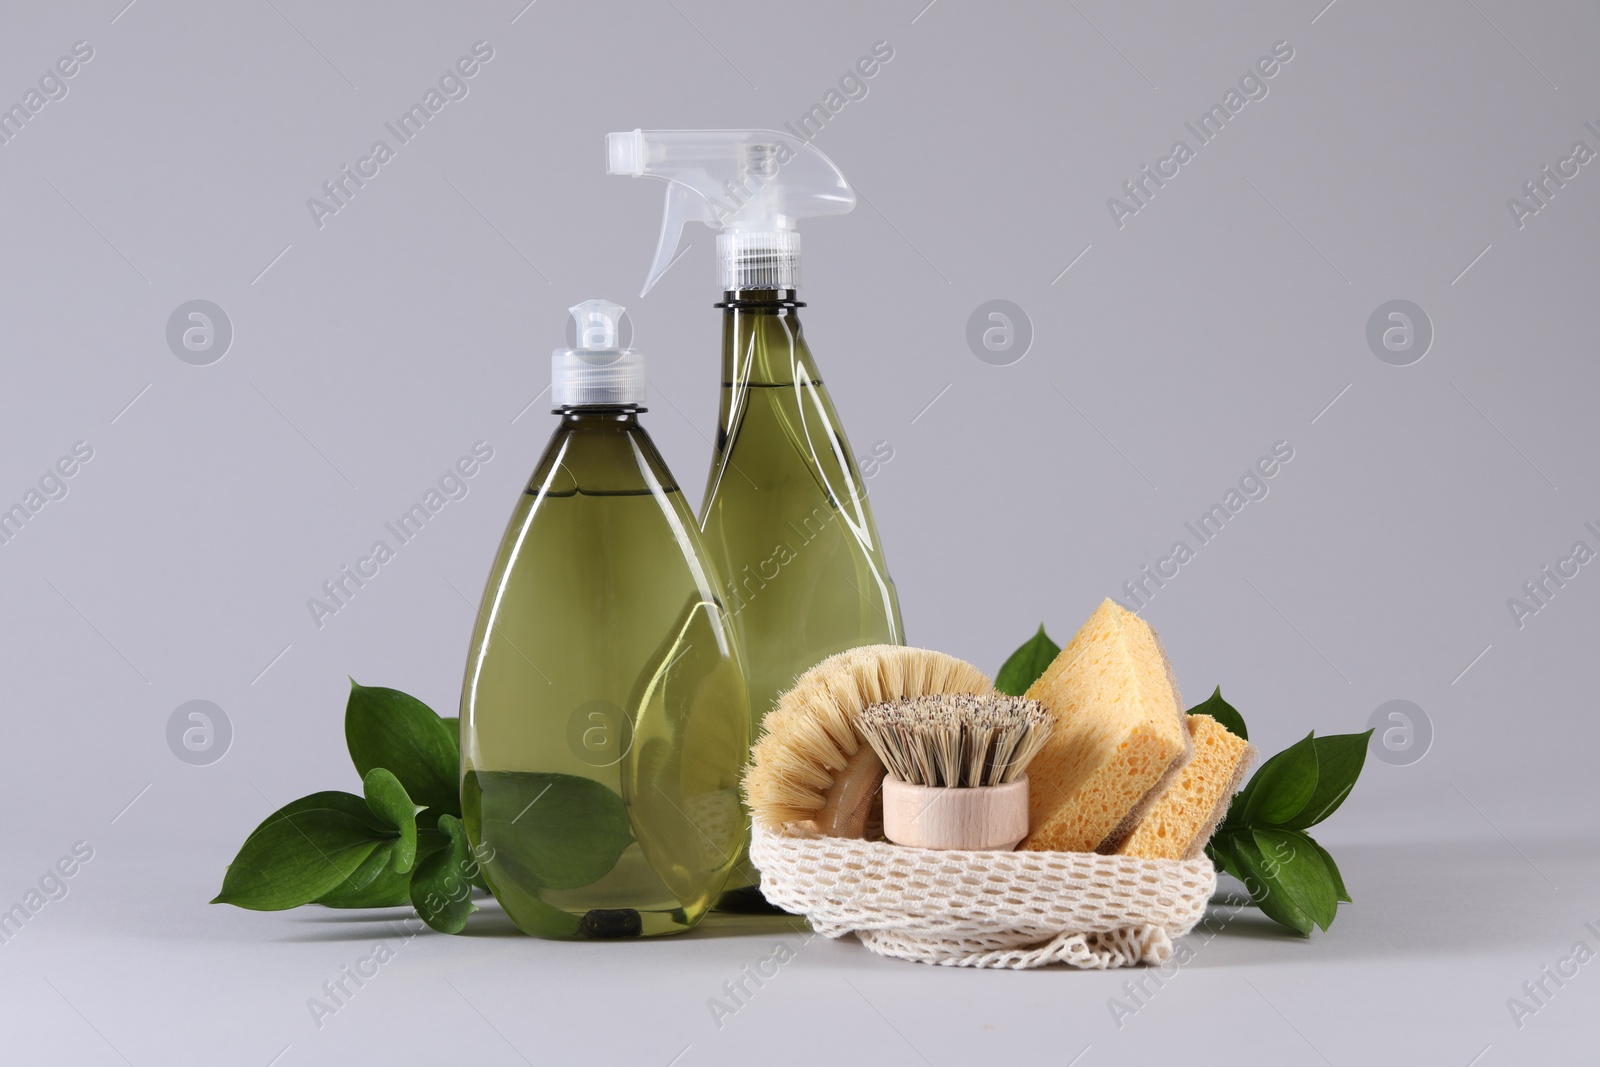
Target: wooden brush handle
{"x":849,"y":800}
{"x":983,"y":817}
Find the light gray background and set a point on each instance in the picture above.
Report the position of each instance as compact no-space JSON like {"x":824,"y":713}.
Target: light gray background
{"x":1225,"y":316}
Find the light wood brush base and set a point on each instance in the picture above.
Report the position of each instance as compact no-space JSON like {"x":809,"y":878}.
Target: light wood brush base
{"x":848,"y":802}
{"x":983,"y":817}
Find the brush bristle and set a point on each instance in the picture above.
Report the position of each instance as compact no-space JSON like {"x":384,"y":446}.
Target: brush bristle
{"x":957,"y":740}
{"x":813,"y":731}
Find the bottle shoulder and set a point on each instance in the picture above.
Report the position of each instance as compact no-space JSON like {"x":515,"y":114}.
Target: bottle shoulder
{"x":601,"y":459}
{"x":605,"y":487}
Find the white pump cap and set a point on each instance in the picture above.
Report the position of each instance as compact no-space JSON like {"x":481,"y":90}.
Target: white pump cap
{"x":753,"y":185}
{"x":599,"y":372}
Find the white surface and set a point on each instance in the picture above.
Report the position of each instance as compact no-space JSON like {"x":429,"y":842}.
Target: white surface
{"x":133,"y":968}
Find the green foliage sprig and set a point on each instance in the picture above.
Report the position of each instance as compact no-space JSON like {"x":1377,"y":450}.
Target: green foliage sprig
{"x":1263,"y":841}
{"x":399,"y":843}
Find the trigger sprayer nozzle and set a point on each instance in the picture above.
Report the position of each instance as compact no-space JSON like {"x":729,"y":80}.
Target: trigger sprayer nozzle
{"x":625,"y":153}
{"x":752,"y":185}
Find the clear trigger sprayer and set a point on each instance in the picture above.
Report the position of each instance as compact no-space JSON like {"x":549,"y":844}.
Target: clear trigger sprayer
{"x":752,"y":185}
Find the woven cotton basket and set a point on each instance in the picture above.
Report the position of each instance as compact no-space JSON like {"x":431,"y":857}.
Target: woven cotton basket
{"x":985,"y":909}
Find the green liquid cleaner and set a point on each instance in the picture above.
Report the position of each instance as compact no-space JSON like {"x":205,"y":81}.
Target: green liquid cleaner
{"x":604,"y":716}
{"x":785,"y":517}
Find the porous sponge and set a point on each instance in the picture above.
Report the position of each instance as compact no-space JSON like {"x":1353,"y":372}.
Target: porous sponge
{"x":1119,"y":735}
{"x":1180,"y":822}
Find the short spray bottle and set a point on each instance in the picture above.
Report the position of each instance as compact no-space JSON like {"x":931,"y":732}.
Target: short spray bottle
{"x":785,"y":516}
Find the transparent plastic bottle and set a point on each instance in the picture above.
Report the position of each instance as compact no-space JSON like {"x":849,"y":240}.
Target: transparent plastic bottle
{"x":604,"y":716}
{"x":785,"y":516}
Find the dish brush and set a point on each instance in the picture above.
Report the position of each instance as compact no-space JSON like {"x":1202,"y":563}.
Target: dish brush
{"x":813,"y":768}
{"x":956,"y":768}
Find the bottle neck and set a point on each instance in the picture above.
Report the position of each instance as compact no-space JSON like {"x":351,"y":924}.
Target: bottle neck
{"x":762,"y":342}
{"x":756,"y":299}
{"x":624,"y":416}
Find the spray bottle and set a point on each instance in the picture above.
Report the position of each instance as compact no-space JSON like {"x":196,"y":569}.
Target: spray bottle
{"x":785,"y":516}
{"x":604,"y":721}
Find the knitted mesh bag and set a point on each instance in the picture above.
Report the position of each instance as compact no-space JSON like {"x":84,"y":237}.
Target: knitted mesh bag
{"x":1013,"y":910}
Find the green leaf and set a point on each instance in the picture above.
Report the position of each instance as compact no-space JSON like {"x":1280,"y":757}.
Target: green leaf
{"x":1280,"y":789}
{"x":380,"y":860}
{"x":336,"y":800}
{"x":390,"y":729}
{"x":1223,"y":712}
{"x":441,"y":888}
{"x":564,"y":830}
{"x":388,"y":800}
{"x":391,"y":888}
{"x":1339,"y":891}
{"x":1340,"y":758}
{"x":299,"y":855}
{"x":375,"y":885}
{"x":1261,"y":879}
{"x":1299,"y":872}
{"x":455,"y":728}
{"x":1220,"y":853}
{"x":1026,"y":664}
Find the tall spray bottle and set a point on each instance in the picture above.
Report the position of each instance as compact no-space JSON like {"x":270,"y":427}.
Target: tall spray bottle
{"x":785,"y":516}
{"x":604,"y":721}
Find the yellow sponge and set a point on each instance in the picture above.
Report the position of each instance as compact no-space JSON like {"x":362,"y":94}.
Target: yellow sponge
{"x":1180,"y":822}
{"x":1119,"y":735}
